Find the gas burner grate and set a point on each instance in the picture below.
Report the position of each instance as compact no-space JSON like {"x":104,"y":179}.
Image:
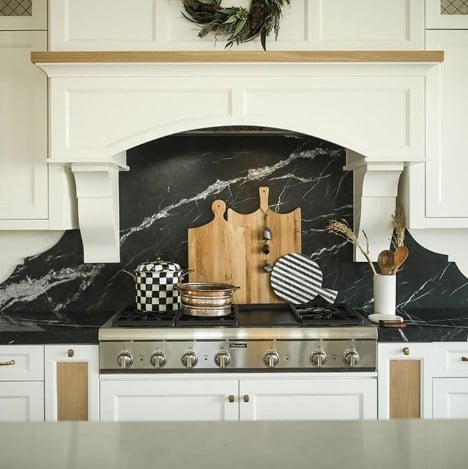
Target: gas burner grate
{"x":231,"y":320}
{"x":133,"y":318}
{"x":333,"y":315}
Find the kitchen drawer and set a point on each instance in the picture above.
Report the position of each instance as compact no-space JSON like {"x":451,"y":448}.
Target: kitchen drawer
{"x":450,"y":359}
{"x":21,"y":362}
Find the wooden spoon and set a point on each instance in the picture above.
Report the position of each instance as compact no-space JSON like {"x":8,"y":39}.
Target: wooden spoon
{"x":401,"y":254}
{"x":386,"y":261}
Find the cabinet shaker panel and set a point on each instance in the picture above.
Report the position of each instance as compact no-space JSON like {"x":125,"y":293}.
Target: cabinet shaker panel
{"x":23,"y":127}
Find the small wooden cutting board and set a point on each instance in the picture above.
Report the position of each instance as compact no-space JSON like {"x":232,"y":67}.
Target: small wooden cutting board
{"x":286,"y":238}
{"x":218,"y":251}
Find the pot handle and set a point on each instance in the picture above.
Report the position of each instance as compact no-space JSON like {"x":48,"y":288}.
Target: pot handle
{"x":185,"y":272}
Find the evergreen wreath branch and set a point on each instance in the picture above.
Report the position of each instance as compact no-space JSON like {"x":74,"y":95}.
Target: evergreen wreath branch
{"x":238,"y":24}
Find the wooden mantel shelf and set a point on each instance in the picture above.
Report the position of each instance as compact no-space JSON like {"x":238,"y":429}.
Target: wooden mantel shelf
{"x":235,"y":56}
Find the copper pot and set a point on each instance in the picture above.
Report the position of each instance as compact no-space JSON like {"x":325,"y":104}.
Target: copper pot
{"x":206,"y":299}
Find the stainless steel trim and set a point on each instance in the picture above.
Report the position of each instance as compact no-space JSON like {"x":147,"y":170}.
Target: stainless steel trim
{"x":241,"y":333}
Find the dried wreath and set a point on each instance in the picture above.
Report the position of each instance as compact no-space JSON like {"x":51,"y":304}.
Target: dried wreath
{"x":238,"y":23}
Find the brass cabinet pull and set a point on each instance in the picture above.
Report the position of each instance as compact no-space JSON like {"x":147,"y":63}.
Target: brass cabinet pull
{"x":70,"y":352}
{"x":231,"y":398}
{"x":464,"y":359}
{"x":406,"y":350}
{"x":245,"y":398}
{"x":8,"y":363}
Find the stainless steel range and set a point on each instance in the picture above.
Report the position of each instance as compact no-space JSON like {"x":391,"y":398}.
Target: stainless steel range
{"x":268,"y":337}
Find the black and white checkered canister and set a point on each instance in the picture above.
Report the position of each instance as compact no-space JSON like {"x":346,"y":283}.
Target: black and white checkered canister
{"x":155,"y":286}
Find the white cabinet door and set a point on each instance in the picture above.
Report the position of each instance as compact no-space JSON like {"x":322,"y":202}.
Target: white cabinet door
{"x":447,"y":139}
{"x":308,"y":399}
{"x":71,"y":382}
{"x":21,"y":362}
{"x":169,"y":400}
{"x":306,"y":25}
{"x":450,"y":398}
{"x":23,"y":128}
{"x":447,"y":14}
{"x":23,"y":15}
{"x":21,"y":383}
{"x":405,"y":380}
{"x":21,"y":401}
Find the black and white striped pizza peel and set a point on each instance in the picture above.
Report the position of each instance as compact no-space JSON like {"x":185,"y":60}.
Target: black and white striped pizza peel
{"x":298,"y":279}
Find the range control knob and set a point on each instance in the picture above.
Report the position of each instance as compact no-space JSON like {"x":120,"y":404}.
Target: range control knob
{"x":189,"y":359}
{"x":318,"y":358}
{"x":271,"y":359}
{"x":125,"y":360}
{"x":158,"y":359}
{"x":222,"y":359}
{"x":351,"y":358}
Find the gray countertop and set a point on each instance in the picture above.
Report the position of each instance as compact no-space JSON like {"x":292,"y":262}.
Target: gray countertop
{"x":393,"y":444}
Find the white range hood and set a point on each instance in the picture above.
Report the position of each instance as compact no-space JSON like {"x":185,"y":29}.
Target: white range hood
{"x":103,"y":103}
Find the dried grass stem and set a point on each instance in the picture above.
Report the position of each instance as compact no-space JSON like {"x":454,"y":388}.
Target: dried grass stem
{"x":341,"y":228}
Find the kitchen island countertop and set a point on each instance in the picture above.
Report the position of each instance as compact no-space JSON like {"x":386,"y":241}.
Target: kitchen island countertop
{"x":401,"y":444}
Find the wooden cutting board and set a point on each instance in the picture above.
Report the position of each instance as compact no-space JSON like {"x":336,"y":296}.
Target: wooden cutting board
{"x":218,"y":251}
{"x":286,"y":238}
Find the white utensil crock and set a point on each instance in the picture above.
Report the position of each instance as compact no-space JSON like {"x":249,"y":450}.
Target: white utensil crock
{"x":384,"y":294}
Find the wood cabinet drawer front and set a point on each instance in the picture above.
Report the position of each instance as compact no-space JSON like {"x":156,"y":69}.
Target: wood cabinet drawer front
{"x":21,"y":363}
{"x":451,"y":359}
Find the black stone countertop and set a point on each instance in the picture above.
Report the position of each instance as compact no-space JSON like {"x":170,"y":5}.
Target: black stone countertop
{"x":429,"y":325}
{"x":53,"y":334}
{"x":425,"y":325}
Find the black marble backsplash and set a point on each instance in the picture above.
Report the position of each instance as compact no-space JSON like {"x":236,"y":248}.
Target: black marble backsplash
{"x":170,"y":187}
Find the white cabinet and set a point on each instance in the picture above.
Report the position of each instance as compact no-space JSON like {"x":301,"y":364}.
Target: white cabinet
{"x":308,"y":399}
{"x":447,"y":14}
{"x":450,"y":383}
{"x":447,"y":140}
{"x":21,"y":383}
{"x":23,"y":129}
{"x":435,"y":193}
{"x":285,"y":397}
{"x":171,"y":399}
{"x":405,"y":380}
{"x":71,"y":382}
{"x":305,"y":25}
{"x":23,"y":15}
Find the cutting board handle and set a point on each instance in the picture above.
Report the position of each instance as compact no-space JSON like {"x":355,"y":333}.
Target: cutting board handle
{"x":218,"y":207}
{"x":264,"y":193}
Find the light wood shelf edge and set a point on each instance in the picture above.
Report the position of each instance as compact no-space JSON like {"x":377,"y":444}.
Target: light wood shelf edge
{"x":234,"y":56}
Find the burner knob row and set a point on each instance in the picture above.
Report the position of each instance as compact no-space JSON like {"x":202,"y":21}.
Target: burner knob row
{"x":222,"y":359}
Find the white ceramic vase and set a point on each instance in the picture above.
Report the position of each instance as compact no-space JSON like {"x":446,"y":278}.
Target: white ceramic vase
{"x":384,"y":294}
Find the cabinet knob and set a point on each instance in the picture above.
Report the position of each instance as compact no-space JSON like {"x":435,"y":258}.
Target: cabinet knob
{"x":246,"y":398}
{"x":231,"y":398}
{"x":71,"y":352}
{"x":406,"y":351}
